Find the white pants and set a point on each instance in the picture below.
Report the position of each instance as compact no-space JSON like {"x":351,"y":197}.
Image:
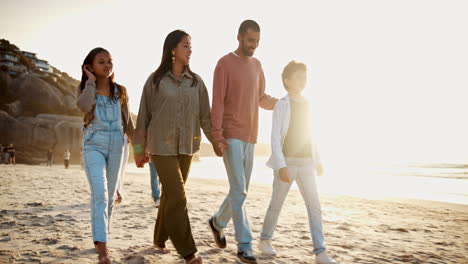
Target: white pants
{"x":305,"y":179}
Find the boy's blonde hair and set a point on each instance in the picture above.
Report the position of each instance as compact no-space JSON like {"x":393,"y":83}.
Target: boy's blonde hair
{"x":291,"y":68}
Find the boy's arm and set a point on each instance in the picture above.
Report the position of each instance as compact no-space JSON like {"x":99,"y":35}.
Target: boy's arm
{"x":276,"y":139}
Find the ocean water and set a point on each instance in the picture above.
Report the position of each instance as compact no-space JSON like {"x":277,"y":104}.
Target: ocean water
{"x":445,"y":181}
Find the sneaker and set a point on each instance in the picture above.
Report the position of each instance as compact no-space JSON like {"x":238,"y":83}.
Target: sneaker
{"x":246,"y":257}
{"x":266,"y":247}
{"x":323,"y":258}
{"x":218,"y":236}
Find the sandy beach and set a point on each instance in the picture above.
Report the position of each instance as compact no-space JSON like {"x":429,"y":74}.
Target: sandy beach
{"x":45,"y":218}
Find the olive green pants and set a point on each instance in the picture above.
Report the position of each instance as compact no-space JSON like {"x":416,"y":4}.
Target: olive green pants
{"x":172,"y":221}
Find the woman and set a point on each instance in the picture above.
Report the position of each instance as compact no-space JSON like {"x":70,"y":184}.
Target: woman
{"x":107,"y":118}
{"x":174,"y":105}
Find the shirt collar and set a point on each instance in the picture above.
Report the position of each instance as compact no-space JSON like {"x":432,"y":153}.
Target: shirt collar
{"x":185,"y":73}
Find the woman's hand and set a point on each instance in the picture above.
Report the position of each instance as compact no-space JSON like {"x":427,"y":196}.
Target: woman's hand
{"x":89,"y":73}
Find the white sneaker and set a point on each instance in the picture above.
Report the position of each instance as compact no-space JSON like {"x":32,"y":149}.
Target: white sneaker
{"x":323,"y":258}
{"x":266,"y":247}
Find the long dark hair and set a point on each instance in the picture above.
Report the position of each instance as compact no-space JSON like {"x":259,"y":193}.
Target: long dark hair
{"x":89,"y":61}
{"x":166,"y":61}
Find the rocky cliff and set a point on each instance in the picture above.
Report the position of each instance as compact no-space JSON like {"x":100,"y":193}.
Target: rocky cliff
{"x":38,"y":112}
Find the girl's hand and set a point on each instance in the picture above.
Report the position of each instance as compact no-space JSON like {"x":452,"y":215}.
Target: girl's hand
{"x":140,"y":160}
{"x":284,"y":175}
{"x":89,"y":73}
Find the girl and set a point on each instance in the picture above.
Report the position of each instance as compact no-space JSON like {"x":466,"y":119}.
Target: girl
{"x":174,"y":105}
{"x":107,"y":118}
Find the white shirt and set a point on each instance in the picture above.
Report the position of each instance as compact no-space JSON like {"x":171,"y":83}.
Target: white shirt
{"x":279,"y":129}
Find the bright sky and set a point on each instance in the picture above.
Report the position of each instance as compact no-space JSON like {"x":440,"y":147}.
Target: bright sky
{"x":380,"y":72}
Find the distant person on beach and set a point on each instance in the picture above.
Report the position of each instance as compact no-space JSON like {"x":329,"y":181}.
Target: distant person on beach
{"x":1,"y":153}
{"x":66,"y":158}
{"x":6,"y":155}
{"x":107,"y":118}
{"x":11,"y":154}
{"x":238,"y":91}
{"x":174,"y":105}
{"x":50,"y":155}
{"x":294,"y":158}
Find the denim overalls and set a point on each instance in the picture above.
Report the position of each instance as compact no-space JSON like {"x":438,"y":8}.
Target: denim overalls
{"x":102,"y":155}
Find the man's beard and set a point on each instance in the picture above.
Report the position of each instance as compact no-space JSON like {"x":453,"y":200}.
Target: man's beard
{"x":247,"y":52}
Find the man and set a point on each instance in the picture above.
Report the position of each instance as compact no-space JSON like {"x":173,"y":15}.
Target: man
{"x":66,"y":158}
{"x":238,"y":91}
{"x":11,"y":154}
{"x":50,"y":155}
{"x":1,"y":153}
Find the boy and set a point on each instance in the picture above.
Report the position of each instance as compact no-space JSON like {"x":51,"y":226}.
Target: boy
{"x":294,"y":157}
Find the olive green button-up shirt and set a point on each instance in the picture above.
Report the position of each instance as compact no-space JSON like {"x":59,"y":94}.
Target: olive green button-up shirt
{"x":170,"y":118}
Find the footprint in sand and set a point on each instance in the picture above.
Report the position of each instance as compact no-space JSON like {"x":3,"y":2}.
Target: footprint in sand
{"x":212,"y":251}
{"x":343,"y":228}
{"x":35,"y":204}
{"x":5,"y":239}
{"x":135,"y":260}
{"x":69,"y":248}
{"x":7,"y":224}
{"x":47,"y":241}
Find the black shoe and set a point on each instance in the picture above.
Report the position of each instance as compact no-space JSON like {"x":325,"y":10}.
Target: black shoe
{"x":219,"y":237}
{"x":246,"y":257}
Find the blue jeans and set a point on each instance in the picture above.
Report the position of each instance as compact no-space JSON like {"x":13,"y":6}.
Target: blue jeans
{"x":238,"y":160}
{"x":102,"y":155}
{"x":155,"y":191}
{"x":305,"y":179}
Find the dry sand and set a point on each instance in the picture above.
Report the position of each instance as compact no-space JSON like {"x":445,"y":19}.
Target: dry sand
{"x":45,"y":218}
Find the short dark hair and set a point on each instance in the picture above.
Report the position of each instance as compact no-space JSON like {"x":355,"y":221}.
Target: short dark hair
{"x":291,"y":68}
{"x":246,"y":24}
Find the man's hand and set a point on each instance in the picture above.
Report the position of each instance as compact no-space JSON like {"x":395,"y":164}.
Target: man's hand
{"x":284,"y":175}
{"x":220,"y":147}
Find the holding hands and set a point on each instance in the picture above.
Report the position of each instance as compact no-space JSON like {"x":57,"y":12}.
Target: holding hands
{"x":220,"y":147}
{"x":141,"y":159}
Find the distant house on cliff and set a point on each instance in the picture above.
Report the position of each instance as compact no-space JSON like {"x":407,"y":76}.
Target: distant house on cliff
{"x":42,"y":65}
{"x":10,"y":62}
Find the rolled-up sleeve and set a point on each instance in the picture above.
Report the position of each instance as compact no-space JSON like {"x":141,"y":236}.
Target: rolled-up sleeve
{"x":86,"y":99}
{"x":219,"y":93}
{"x":144,"y":114}
{"x":277,"y":160}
